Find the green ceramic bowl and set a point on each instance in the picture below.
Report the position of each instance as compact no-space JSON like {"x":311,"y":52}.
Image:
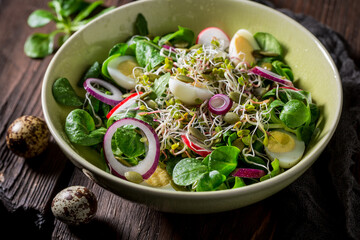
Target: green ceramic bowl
{"x":311,"y":64}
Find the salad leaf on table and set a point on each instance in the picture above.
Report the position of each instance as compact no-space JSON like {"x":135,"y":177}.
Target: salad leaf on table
{"x":68,"y":15}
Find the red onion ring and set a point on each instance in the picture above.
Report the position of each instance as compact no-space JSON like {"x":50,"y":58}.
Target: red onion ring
{"x":219,"y":104}
{"x":113,"y":99}
{"x":248,"y":173}
{"x":148,"y":165}
{"x":262,"y":72}
{"x":195,"y":146}
{"x":124,"y":104}
{"x":167,"y":47}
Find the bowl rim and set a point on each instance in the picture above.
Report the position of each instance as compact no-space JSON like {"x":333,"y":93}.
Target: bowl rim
{"x":302,"y":166}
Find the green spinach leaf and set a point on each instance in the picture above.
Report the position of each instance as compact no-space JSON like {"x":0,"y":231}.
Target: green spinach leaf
{"x":224,"y":159}
{"x":160,"y":84}
{"x":129,"y":142}
{"x":182,"y":35}
{"x":93,"y":72}
{"x":141,"y":25}
{"x":295,"y":113}
{"x":80,"y":128}
{"x":268,"y":43}
{"x":283,"y":70}
{"x":188,"y":171}
{"x":65,"y":94}
{"x":39,"y":45}
{"x":148,"y":54}
{"x":40,"y":18}
{"x":210,"y":181}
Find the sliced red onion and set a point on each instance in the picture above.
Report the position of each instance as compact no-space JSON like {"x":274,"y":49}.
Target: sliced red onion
{"x":124,"y":104}
{"x":169,"y":48}
{"x":248,"y":173}
{"x":195,"y":146}
{"x":113,"y":99}
{"x":271,"y":76}
{"x":219,"y":104}
{"x":148,"y":165}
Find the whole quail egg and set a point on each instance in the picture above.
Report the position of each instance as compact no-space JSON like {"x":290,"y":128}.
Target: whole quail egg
{"x":28,"y":136}
{"x":74,"y":205}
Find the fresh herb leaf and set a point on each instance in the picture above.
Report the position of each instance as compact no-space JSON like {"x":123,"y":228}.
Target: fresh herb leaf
{"x":268,"y":43}
{"x":182,"y":35}
{"x":224,"y":159}
{"x":276,"y":170}
{"x":87,"y":11}
{"x":80,"y":128}
{"x":283,"y":70}
{"x":129,"y":142}
{"x":40,"y":18}
{"x":161,"y":84}
{"x":148,"y":54}
{"x":65,"y":94}
{"x":141,"y":25}
{"x":188,"y":171}
{"x":69,"y":16}
{"x":210,"y":181}
{"x":295,"y":113}
{"x":93,"y":72}
{"x":39,"y":45}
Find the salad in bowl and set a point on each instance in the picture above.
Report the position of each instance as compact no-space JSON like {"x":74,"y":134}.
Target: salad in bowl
{"x":192,"y":113}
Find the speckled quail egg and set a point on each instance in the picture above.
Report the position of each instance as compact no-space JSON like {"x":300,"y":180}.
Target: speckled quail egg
{"x":285,"y":147}
{"x":74,"y":205}
{"x":28,"y":136}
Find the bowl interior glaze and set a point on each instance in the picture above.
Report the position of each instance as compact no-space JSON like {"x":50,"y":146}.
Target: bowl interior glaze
{"x":313,"y":68}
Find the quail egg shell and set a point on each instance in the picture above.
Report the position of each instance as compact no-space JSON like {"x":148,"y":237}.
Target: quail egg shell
{"x":285,"y":147}
{"x":121,"y":71}
{"x":188,"y":93}
{"x":27,"y":136}
{"x":241,"y":47}
{"x":74,"y":205}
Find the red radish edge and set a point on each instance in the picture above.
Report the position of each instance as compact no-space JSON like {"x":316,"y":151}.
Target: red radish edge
{"x":196,"y":148}
{"x":210,"y":28}
{"x":122,"y":103}
{"x":148,"y":165}
{"x":248,"y":173}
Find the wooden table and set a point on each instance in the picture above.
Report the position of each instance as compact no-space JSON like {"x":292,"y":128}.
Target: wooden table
{"x":28,"y":186}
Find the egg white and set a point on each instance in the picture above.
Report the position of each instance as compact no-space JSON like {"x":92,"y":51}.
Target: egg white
{"x":188,"y":93}
{"x":242,"y":52}
{"x":121,"y":79}
{"x":290,"y":158}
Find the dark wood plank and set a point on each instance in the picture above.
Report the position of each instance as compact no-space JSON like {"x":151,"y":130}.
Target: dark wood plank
{"x":120,"y":219}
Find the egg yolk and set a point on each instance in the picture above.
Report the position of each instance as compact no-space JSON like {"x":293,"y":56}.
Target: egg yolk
{"x":280,"y":142}
{"x":126,"y":67}
{"x":243,"y":45}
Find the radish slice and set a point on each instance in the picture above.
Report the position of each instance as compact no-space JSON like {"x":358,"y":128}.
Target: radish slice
{"x":206,"y":36}
{"x":148,"y":165}
{"x":219,"y":104}
{"x":194,"y":145}
{"x":125,"y":104}
{"x":248,"y":173}
{"x":113,"y":99}
{"x":262,"y":72}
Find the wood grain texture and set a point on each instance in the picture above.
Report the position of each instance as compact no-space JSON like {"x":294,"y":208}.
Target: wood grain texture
{"x":28,"y":186}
